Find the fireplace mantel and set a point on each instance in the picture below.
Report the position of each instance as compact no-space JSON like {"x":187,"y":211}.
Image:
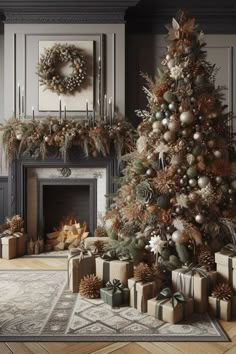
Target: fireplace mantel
{"x":18,"y":174}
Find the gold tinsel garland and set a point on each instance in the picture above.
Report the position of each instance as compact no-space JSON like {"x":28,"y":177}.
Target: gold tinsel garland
{"x":36,"y":137}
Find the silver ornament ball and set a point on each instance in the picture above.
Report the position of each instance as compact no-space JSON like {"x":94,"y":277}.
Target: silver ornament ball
{"x":200,"y":219}
{"x":169,"y":136}
{"x":203,"y":181}
{"x":187,"y":117}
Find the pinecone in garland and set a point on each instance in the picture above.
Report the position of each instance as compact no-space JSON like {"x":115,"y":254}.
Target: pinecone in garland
{"x":100,"y":232}
{"x":129,"y":229}
{"x":206,"y":258}
{"x":223,"y":291}
{"x":90,"y":287}
{"x":144,"y":273}
{"x":15,"y":224}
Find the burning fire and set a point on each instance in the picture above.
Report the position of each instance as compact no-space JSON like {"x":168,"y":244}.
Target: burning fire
{"x":71,"y":227}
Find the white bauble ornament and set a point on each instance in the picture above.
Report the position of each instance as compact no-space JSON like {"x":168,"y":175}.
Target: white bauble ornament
{"x":46,"y":139}
{"x":203,"y":181}
{"x":200,"y":219}
{"x":217,"y":154}
{"x":187,"y":117}
{"x":165,"y":121}
{"x":192,"y":182}
{"x":197,"y":136}
{"x":176,"y":236}
{"x":156,"y":125}
{"x":173,"y":126}
{"x":169,"y":136}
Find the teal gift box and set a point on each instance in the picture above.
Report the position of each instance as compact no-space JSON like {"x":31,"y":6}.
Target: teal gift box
{"x":115,"y":293}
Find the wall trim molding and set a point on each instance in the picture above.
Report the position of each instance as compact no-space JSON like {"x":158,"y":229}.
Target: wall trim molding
{"x":60,"y":11}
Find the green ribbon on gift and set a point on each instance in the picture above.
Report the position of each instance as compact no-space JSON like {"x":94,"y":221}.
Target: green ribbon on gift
{"x":167,"y":295}
{"x":217,"y":308}
{"x":114,"y":286}
{"x":185,"y":284}
{"x":225,"y":250}
{"x":108,"y":257}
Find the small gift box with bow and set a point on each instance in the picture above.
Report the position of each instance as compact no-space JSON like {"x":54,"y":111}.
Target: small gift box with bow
{"x":8,"y":244}
{"x":108,"y":268}
{"x":81,"y":262}
{"x":226,"y":264}
{"x":141,"y":292}
{"x":196,"y":283}
{"x":115,"y":293}
{"x":170,"y":307}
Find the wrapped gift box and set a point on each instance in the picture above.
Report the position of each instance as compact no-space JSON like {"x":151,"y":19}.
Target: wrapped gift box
{"x":115,"y":297}
{"x":140,"y":293}
{"x":90,"y":241}
{"x":8,"y":247}
{"x":20,"y":243}
{"x":193,"y":283}
{"x":219,"y":308}
{"x":163,"y":310}
{"x":226,"y":265}
{"x":233,"y":305}
{"x":108,"y":270}
{"x":79,"y":265}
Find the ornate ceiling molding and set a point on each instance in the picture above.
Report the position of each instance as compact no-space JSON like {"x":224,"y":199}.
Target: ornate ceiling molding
{"x":64,"y":11}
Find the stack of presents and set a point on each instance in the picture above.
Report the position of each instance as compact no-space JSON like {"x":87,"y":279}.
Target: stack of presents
{"x":191,"y":289}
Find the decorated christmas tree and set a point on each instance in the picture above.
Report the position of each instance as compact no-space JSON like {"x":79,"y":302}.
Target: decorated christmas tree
{"x":176,"y":194}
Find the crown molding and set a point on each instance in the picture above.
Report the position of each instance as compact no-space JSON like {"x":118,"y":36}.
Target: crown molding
{"x":61,"y":11}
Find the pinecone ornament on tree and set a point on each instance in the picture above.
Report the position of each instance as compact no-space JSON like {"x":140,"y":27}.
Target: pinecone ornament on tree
{"x":100,"y":232}
{"x":223,"y":291}
{"x":206,"y":258}
{"x":99,"y":246}
{"x":15,"y":224}
{"x":90,"y":286}
{"x":144,"y":273}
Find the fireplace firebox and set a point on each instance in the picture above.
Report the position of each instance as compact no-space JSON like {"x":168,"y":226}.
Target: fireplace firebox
{"x":63,"y":199}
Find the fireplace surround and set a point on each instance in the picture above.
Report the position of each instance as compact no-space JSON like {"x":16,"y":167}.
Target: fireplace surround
{"x":83,"y":182}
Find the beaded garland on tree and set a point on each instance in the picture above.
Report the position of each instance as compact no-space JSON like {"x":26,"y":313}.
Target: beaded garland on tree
{"x":178,"y":187}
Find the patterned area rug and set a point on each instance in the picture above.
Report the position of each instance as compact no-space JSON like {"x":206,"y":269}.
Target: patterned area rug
{"x":36,"y":305}
{"x":51,"y":254}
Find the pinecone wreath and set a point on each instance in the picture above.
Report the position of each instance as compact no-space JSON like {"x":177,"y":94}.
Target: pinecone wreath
{"x":90,"y":287}
{"x":100,"y":232}
{"x":144,"y":273}
{"x":223,"y":291}
{"x":15,"y":224}
{"x":206,"y":258}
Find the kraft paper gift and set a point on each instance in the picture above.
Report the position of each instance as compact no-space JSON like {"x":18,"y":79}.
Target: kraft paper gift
{"x":172,"y":308}
{"x":20,"y":243}
{"x":115,"y":294}
{"x":226,"y":265}
{"x":140,"y":293}
{"x":219,"y":308}
{"x":233,"y":305}
{"x":108,"y":270}
{"x":79,"y":265}
{"x":196,"y":283}
{"x":8,"y":247}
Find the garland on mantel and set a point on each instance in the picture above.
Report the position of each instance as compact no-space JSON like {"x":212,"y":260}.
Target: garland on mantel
{"x":35,"y":137}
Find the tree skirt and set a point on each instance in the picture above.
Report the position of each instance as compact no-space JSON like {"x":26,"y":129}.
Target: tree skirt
{"x":37,"y":305}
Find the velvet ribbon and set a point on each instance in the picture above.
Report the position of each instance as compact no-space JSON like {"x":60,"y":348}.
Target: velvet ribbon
{"x":166,"y":295}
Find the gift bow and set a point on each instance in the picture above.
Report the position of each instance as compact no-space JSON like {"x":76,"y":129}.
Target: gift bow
{"x":81,"y":251}
{"x":175,"y":298}
{"x":230,"y":247}
{"x":114,"y":286}
{"x":111,"y":256}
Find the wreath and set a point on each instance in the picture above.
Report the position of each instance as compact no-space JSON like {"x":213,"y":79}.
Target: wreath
{"x":50,"y":68}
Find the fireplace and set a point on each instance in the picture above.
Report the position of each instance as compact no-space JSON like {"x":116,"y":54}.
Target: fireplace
{"x":64,"y":199}
{"x":45,"y":192}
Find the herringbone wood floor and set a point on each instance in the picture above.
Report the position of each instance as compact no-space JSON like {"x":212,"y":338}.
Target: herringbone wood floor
{"x":106,"y":348}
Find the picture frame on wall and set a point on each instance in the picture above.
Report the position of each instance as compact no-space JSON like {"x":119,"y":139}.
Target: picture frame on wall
{"x":81,"y":99}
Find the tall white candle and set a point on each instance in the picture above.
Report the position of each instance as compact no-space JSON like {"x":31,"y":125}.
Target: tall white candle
{"x":33,"y":112}
{"x":110,"y":110}
{"x":105,"y":107}
{"x":87,"y":109}
{"x":22,"y":102}
{"x":60,"y":108}
{"x":19,"y":99}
